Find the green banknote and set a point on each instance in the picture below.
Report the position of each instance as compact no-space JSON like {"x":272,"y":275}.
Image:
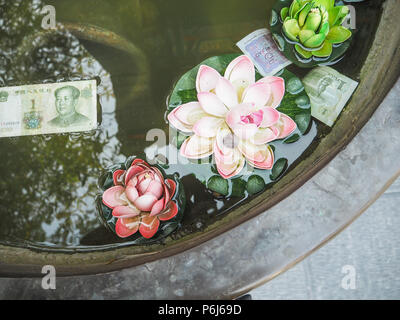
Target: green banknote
{"x":329,"y":92}
{"x":48,"y":108}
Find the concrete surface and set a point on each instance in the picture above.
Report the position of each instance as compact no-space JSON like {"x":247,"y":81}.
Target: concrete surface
{"x":371,"y":245}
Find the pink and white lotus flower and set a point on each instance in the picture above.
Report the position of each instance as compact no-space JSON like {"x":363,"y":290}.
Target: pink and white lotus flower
{"x":140,"y":199}
{"x":234,"y":118}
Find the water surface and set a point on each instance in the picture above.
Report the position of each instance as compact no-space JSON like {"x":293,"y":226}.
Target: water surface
{"x":48,"y":183}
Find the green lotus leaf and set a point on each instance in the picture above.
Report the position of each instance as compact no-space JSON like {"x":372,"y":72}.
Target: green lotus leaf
{"x":313,"y":20}
{"x":293,"y":138}
{"x":303,"y":53}
{"x":255,"y":184}
{"x":315,"y":41}
{"x":304,"y":35}
{"x":284,"y":13}
{"x":303,"y":121}
{"x":218,"y":184}
{"x":325,"y":51}
{"x":274,"y":18}
{"x":291,"y":29}
{"x":278,"y":168}
{"x":303,"y":14}
{"x":338,"y":34}
{"x":327,"y":4}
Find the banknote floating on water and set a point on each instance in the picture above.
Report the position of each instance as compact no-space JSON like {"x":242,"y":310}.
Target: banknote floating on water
{"x":48,"y":108}
{"x":329,"y":92}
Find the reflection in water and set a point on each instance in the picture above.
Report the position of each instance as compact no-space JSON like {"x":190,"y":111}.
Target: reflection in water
{"x":49,"y":182}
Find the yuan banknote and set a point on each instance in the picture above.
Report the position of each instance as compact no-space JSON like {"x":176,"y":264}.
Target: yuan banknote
{"x":48,"y":108}
{"x":329,"y":92}
{"x":262,"y":50}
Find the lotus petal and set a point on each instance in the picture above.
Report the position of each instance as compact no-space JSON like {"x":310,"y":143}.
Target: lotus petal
{"x":177,"y":124}
{"x":143,"y":185}
{"x":122,"y":229}
{"x":327,"y":4}
{"x":131,"y":193}
{"x":125,"y":212}
{"x":207,"y":127}
{"x":158,"y":176}
{"x":291,"y":29}
{"x":303,"y":53}
{"x":118,"y":177}
{"x":226,"y":140}
{"x":241,"y":70}
{"x":270,"y":117}
{"x":226,"y":92}
{"x":260,"y":156}
{"x":111,"y":197}
{"x":338,"y":34}
{"x":285,"y":125}
{"x":267,"y":165}
{"x":257,"y":94}
{"x":171,"y":185}
{"x":189,"y":113}
{"x":211,"y":104}
{"x":169,"y":213}
{"x":227,"y":156}
{"x":315,"y":41}
{"x":196,"y":147}
{"x":304,"y":35}
{"x":302,"y":15}
{"x":207,"y":79}
{"x":277,"y":85}
{"x":284,"y":13}
{"x":325,"y":51}
{"x":157,"y":208}
{"x":141,"y":162}
{"x":155,"y":188}
{"x":146,"y":174}
{"x":245,"y":131}
{"x":226,"y":169}
{"x":131,"y":172}
{"x":167,"y":196}
{"x":265,"y":135}
{"x":145,"y":202}
{"x":149,"y":226}
{"x":313,"y":20}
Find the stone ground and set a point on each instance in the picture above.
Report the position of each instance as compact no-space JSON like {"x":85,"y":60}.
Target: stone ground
{"x":369,"y":247}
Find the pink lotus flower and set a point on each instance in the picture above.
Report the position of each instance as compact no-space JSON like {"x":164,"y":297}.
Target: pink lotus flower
{"x":140,"y":199}
{"x":234,"y":118}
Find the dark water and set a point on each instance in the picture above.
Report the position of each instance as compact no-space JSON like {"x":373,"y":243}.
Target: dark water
{"x":48,"y":183}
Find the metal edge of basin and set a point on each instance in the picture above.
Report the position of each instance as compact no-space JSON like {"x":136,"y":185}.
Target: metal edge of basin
{"x":378,"y":74}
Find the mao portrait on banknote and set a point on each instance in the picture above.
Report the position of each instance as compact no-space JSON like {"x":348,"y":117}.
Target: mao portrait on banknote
{"x":67,"y":99}
{"x":48,"y":108}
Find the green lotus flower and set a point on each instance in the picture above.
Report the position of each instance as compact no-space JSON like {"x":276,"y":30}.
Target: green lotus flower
{"x":315,"y":26}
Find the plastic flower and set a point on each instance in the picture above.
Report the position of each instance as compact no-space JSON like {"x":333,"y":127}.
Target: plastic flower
{"x":315,"y":26}
{"x":234,"y":118}
{"x":140,"y":199}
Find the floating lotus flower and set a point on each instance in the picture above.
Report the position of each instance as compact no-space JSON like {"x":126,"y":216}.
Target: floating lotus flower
{"x":314,"y":28}
{"x":234,"y":118}
{"x":140,"y":199}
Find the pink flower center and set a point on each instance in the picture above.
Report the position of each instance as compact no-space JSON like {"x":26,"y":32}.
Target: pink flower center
{"x":253,"y":118}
